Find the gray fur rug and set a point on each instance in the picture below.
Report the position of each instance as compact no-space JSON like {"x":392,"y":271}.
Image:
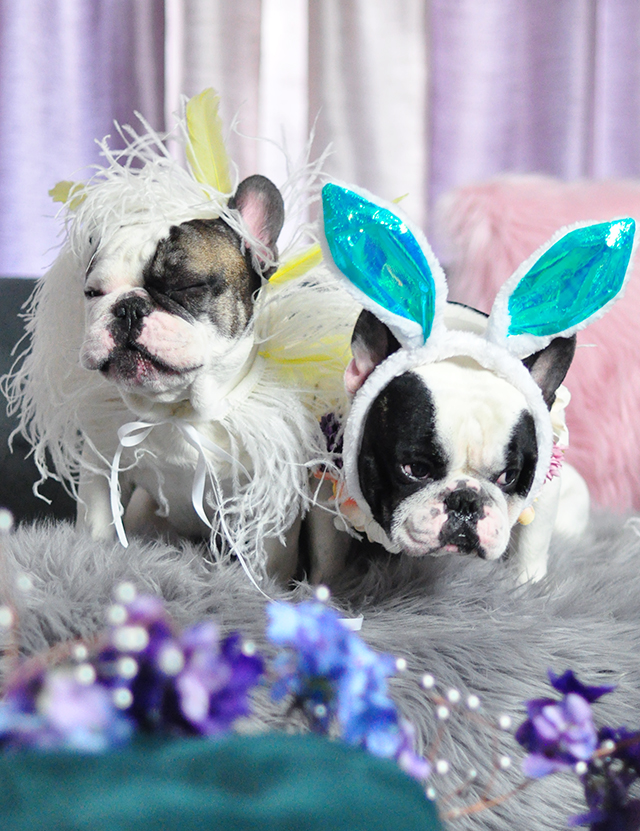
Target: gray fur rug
{"x":465,"y":622}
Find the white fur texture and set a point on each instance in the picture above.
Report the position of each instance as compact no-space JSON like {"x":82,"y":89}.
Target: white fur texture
{"x":71,"y":414}
{"x":460,"y":620}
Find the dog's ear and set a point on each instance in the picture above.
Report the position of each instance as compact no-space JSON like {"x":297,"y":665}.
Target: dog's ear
{"x":549,"y":366}
{"x":262,"y":208}
{"x":371,"y":343}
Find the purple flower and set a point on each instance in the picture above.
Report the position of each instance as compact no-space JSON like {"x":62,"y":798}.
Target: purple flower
{"x":606,"y":793}
{"x":146,"y":674}
{"x":627,"y":746}
{"x":66,"y":709}
{"x":558,"y":734}
{"x":187,"y":683}
{"x":80,"y":715}
{"x":607,"y":782}
{"x":213,"y":687}
{"x":568,"y":683}
{"x":138,"y":659}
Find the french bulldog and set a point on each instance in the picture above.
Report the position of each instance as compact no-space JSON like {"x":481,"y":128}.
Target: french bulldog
{"x":449,"y":451}
{"x":455,"y":432}
{"x":143,"y":380}
{"x":167,"y":313}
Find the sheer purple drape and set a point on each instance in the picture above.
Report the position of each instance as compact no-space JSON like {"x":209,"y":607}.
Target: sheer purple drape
{"x":416,"y":96}
{"x":533,"y":86}
{"x":67,"y":70}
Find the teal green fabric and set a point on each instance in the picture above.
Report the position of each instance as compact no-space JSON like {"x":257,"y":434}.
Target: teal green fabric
{"x":573,"y":280}
{"x":242,"y":783}
{"x":378,"y":253}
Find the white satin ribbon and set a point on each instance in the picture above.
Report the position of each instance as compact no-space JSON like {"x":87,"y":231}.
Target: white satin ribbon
{"x":135,"y":432}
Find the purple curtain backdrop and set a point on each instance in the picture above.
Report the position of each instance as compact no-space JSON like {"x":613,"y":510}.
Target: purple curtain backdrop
{"x":417,"y":96}
{"x":549,"y":86}
{"x":67,"y":70}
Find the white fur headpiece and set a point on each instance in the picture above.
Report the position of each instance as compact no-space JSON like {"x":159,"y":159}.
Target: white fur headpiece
{"x":390,"y":268}
{"x":61,"y":404}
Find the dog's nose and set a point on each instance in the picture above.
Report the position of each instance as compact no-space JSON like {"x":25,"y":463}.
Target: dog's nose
{"x":129,"y":311}
{"x":464,"y":507}
{"x":465,"y":503}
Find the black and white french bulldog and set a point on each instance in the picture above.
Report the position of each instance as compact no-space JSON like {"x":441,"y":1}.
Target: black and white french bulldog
{"x":455,"y":432}
{"x":448,"y":452}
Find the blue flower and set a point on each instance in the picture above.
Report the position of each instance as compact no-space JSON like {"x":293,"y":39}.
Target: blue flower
{"x":331,"y":672}
{"x":396,"y":740}
{"x":363,"y":699}
{"x":317,"y":656}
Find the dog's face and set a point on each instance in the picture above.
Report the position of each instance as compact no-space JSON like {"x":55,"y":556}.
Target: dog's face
{"x":168,"y":306}
{"x":448,"y":452}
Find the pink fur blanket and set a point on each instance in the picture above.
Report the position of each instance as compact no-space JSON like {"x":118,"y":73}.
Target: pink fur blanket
{"x":483,"y":232}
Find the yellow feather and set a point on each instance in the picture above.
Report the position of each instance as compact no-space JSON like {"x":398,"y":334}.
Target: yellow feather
{"x":316,"y":364}
{"x":206,"y":151}
{"x":71,"y":192}
{"x":297,"y":266}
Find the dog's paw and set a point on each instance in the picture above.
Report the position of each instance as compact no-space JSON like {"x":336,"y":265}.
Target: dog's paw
{"x":531,"y":573}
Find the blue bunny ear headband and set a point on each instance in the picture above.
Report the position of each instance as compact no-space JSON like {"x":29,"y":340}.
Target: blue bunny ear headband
{"x":387,"y":264}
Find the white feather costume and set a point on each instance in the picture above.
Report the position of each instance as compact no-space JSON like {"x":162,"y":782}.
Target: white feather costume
{"x":267,"y":425}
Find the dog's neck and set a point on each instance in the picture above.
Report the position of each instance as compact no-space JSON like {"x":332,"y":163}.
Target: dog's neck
{"x":203,"y":398}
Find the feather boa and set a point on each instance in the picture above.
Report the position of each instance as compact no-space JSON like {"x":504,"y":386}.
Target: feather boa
{"x":302,"y":325}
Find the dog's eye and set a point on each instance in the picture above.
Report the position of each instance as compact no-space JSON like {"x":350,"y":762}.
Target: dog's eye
{"x":181,"y":289}
{"x":417,"y":471}
{"x":508,"y":478}
{"x":91,"y":293}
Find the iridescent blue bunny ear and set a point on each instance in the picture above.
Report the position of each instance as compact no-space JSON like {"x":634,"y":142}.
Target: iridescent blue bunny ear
{"x":568,"y":283}
{"x":389,"y":266}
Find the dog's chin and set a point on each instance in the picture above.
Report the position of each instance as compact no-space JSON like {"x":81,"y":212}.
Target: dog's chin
{"x":413,"y":550}
{"x":448,"y":549}
{"x":432,"y":545}
{"x":134,"y":370}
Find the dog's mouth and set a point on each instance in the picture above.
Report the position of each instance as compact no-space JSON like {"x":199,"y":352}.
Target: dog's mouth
{"x":464,"y":548}
{"x":460,"y":537}
{"x":134,"y":364}
{"x":456,"y":538}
